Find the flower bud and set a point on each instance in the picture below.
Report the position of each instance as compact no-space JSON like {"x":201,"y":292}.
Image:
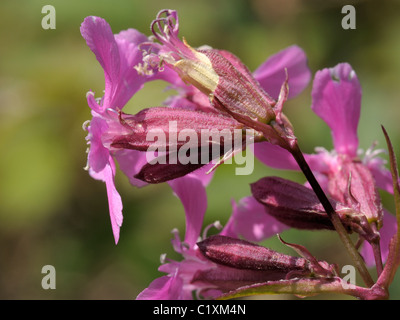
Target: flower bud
{"x":297,"y":206}
{"x":237,"y":91}
{"x":227,"y":279}
{"x":244,"y":255}
{"x":177,"y":141}
{"x":169,"y":168}
{"x":138,"y":131}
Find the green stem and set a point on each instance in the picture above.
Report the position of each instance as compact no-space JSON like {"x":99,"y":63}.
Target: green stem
{"x":393,"y":260}
{"x":344,"y":236}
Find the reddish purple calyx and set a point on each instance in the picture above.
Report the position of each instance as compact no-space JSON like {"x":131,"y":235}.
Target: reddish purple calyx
{"x":242,"y":254}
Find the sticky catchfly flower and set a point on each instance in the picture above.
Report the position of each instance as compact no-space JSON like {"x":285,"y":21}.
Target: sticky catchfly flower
{"x":117,"y":54}
{"x":343,"y":174}
{"x":226,"y":82}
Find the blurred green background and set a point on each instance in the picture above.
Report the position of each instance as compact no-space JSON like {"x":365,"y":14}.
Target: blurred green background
{"x":52,"y":212}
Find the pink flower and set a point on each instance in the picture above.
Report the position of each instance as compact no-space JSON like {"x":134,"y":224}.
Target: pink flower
{"x":226,"y":83}
{"x":126,"y":71}
{"x":188,"y":70}
{"x":117,"y":54}
{"x":345,"y":176}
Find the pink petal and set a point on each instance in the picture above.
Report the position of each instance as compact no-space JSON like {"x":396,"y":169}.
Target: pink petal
{"x":250,"y":221}
{"x":177,"y":101}
{"x":130,"y":162}
{"x":383,"y":176}
{"x":118,"y":55}
{"x":129,"y":81}
{"x":163,"y":288}
{"x":191,"y":191}
{"x":202,"y":174}
{"x":114,"y":199}
{"x":276,"y":157}
{"x":100,"y":39}
{"x":336,"y":98}
{"x":190,"y":98}
{"x":98,"y":155}
{"x":271,"y":74}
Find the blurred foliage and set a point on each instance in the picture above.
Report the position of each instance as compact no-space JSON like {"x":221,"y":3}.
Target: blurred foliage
{"x":53,"y":213}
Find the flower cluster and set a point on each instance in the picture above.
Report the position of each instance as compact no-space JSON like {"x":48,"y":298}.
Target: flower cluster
{"x":219,"y":96}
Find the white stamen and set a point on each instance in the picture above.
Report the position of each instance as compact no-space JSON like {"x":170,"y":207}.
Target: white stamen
{"x":87,"y":167}
{"x":89,"y":93}
{"x":370,"y":154}
{"x":163,"y":258}
{"x":112,"y":111}
{"x":85,"y":125}
{"x":143,"y":69}
{"x":216,"y":225}
{"x":204,"y":47}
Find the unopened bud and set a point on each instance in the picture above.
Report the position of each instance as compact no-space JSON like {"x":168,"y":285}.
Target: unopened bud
{"x":240,"y":262}
{"x":297,"y":206}
{"x":242,"y":254}
{"x":137,"y":131}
